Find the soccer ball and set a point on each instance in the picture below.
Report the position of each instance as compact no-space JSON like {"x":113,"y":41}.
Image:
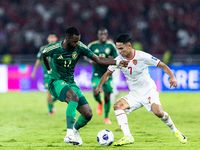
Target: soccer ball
{"x":105,"y":137}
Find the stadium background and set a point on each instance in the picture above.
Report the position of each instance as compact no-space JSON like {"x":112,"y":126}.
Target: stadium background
{"x":168,"y":29}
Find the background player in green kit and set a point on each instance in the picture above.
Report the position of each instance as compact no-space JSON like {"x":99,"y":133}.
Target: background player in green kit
{"x":51,"y":38}
{"x":106,"y":49}
{"x":64,"y":56}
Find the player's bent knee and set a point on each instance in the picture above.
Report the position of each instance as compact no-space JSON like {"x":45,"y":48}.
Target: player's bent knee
{"x":117,"y":106}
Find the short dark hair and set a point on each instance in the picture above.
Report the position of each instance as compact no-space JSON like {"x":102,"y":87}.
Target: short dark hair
{"x":102,"y":28}
{"x":50,"y":33}
{"x":70,"y":31}
{"x":123,"y":38}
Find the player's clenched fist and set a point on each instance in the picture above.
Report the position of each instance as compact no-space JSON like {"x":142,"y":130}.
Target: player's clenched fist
{"x":124,"y":63}
{"x":98,"y":90}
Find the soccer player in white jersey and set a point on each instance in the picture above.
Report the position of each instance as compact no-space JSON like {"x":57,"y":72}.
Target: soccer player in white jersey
{"x":142,"y":88}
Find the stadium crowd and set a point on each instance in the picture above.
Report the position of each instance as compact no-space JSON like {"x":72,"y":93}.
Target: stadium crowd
{"x":162,"y":25}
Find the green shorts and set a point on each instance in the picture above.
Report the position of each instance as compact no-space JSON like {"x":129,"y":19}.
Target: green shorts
{"x":46,"y":78}
{"x":59,"y":88}
{"x":107,"y":87}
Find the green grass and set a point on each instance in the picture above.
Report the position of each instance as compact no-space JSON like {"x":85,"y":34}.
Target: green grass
{"x":24,"y":124}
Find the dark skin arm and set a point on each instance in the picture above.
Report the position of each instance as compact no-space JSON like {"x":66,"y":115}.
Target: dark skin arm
{"x":46,"y":62}
{"x":105,"y":61}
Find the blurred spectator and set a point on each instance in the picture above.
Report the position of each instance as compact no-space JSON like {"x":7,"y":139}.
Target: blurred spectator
{"x":137,"y":45}
{"x":160,"y":25}
{"x":167,"y":57}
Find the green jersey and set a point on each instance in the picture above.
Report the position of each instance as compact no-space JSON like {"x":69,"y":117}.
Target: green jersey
{"x":39,"y":56}
{"x":64,"y":61}
{"x":106,"y":50}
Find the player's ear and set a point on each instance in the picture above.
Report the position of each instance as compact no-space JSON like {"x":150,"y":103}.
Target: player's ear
{"x":129,"y":45}
{"x":67,"y":38}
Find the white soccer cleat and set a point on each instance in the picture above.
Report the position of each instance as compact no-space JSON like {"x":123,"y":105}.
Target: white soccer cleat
{"x":71,"y":139}
{"x":77,"y":136}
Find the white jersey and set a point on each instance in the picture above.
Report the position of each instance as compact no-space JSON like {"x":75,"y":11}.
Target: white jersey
{"x":136,"y":73}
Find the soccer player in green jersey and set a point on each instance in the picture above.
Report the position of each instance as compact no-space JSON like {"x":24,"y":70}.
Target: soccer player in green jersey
{"x":51,"y":38}
{"x":104,"y":48}
{"x":64,"y":56}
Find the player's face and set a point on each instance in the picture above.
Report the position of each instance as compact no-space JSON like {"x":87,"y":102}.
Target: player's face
{"x":73,"y":41}
{"x":103,"y":35}
{"x":52,"y":38}
{"x":124,"y":49}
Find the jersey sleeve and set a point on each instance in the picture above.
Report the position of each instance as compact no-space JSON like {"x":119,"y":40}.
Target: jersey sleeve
{"x":85,"y":50}
{"x":90,"y":46}
{"x":48,"y":50}
{"x":150,"y":60}
{"x":39,"y":55}
{"x":88,"y":53}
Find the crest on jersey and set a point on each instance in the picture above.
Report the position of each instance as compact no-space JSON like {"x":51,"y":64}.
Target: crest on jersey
{"x":134,"y":61}
{"x":96,"y":51}
{"x":74,"y":55}
{"x":107,"y":51}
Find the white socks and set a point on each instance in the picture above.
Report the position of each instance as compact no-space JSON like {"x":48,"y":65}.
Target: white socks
{"x":70,"y":132}
{"x":123,"y":122}
{"x":168,"y":121}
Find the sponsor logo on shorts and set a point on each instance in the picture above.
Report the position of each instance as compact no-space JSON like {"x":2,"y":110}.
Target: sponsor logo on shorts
{"x":149,"y":98}
{"x":62,"y":83}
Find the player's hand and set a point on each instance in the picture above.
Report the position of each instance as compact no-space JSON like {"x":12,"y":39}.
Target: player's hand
{"x":124,"y":63}
{"x":173,"y":82}
{"x":98,"y":90}
{"x":110,"y":57}
{"x":93,"y":63}
{"x":33,"y":75}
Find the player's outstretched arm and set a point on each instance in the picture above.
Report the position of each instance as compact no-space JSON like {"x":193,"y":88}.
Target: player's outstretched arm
{"x":89,"y":60}
{"x":46,"y":63}
{"x":106,"y":61}
{"x":37,"y":63}
{"x":103,"y":80}
{"x":165,"y":68}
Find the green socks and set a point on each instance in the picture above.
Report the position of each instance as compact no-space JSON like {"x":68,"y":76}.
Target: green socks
{"x":53,"y":99}
{"x":71,"y":114}
{"x":106,"y":109}
{"x":98,"y":99}
{"x":50,"y":106}
{"x":80,"y":122}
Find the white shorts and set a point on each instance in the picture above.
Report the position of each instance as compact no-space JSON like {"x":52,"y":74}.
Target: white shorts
{"x":146,"y":100}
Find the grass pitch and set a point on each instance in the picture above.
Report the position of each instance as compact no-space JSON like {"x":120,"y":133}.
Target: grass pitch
{"x":25,"y":124}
